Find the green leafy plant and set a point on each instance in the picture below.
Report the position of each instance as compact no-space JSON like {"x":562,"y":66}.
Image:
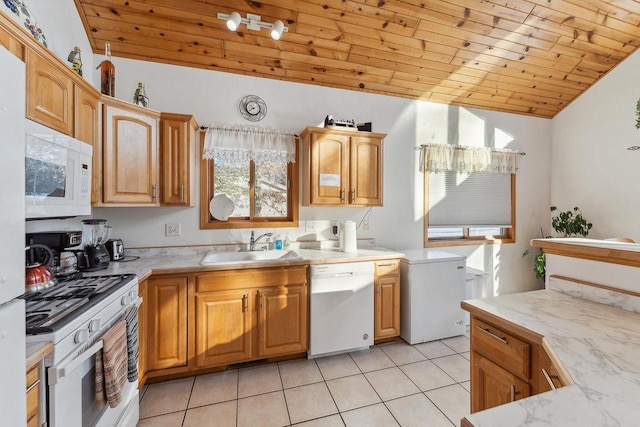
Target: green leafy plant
{"x":569,"y":223}
{"x":638,"y":114}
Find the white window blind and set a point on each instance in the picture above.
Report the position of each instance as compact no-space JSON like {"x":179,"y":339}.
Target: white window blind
{"x":478,"y":199}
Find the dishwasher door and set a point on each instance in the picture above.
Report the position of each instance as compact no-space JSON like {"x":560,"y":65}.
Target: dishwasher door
{"x":341,"y":308}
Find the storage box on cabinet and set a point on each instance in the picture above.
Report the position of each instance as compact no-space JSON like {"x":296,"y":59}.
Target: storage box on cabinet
{"x":341,"y":168}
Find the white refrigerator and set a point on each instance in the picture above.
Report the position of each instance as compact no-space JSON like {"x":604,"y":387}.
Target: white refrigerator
{"x":13,"y":406}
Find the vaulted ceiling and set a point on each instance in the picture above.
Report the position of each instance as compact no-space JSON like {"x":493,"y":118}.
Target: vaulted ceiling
{"x":521,"y":56}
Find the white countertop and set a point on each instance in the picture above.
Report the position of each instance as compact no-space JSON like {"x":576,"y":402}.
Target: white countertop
{"x":185,"y":260}
{"x":598,"y":345}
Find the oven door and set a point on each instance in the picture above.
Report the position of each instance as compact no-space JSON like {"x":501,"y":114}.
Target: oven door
{"x":72,"y":395}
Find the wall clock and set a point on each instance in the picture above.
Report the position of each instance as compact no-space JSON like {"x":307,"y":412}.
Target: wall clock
{"x":252,"y":108}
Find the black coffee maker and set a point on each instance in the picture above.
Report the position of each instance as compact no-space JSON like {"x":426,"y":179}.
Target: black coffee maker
{"x":95,"y":233}
{"x":64,"y":263}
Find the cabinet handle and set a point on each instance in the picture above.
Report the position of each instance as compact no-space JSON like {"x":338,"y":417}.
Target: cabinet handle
{"x":182,"y":192}
{"x":353,"y":195}
{"x":32,"y":386}
{"x":386,"y":264}
{"x":548,"y":378}
{"x":153,"y":192}
{"x":342,"y":193}
{"x":492,"y":335}
{"x":513,"y":392}
{"x":261,"y":302}
{"x":245,"y":303}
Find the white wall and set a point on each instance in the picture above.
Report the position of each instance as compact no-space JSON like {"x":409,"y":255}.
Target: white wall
{"x":591,"y":167}
{"x":212,"y":98}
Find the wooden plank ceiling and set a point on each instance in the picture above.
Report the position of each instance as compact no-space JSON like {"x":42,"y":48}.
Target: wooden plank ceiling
{"x":522,"y":56}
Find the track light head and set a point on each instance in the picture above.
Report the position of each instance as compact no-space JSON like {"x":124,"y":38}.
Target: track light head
{"x":233,"y":22}
{"x":277,"y":29}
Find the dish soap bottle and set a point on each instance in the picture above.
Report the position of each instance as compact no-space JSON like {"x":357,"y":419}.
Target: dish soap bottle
{"x":278,"y":243}
{"x":286,"y":242}
{"x":140,"y":97}
{"x":107,"y":73}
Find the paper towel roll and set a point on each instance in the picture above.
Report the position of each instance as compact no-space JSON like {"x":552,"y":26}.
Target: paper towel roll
{"x":348,"y":240}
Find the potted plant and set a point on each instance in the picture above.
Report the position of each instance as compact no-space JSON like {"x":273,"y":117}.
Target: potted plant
{"x":569,"y":223}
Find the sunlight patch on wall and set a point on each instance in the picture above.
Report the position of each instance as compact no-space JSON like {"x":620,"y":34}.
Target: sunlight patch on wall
{"x":470,"y":129}
{"x":502,"y":139}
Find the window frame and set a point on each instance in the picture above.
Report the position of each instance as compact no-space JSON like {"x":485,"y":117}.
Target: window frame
{"x":207,"y":222}
{"x":466,"y":239}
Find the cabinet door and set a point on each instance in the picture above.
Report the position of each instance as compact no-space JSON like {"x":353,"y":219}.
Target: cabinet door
{"x":548,"y":376}
{"x":85,"y":128}
{"x":166,"y":324}
{"x":366,"y":171}
{"x":223,"y":327}
{"x":49,"y":94}
{"x":282,"y":320}
{"x":130,"y":157}
{"x":387,"y":307}
{"x":177,"y":139}
{"x":329,"y":169}
{"x":492,"y":386}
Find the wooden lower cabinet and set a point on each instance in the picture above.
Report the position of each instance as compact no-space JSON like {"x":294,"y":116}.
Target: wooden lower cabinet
{"x":387,"y":299}
{"x":205,"y":321}
{"x":33,"y":395}
{"x":256,"y":314}
{"x":166,"y":325}
{"x":508,"y":363}
{"x":224,"y":327}
{"x":493,"y":385}
{"x":282,"y":320}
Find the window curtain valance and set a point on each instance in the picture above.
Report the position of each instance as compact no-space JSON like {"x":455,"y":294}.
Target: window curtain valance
{"x":239,"y":144}
{"x":461,"y":159}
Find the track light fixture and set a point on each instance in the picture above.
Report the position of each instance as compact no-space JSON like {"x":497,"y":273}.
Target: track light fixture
{"x":253,"y":22}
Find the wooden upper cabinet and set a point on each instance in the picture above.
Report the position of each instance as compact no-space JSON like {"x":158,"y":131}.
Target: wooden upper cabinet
{"x":177,"y":159}
{"x":12,"y":44}
{"x":341,"y":168}
{"x":49,"y":94}
{"x":130,"y":154}
{"x":85,"y":116}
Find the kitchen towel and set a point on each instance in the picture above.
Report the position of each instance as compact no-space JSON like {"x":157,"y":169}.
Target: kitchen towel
{"x":132,"y":344}
{"x":111,"y":365}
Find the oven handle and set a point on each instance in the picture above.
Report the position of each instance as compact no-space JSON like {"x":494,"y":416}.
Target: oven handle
{"x":58,"y":373}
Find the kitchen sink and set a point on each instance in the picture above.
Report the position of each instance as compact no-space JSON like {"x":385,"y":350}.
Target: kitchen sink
{"x":215,"y":258}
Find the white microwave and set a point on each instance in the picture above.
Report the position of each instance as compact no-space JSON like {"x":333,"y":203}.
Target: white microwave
{"x":57,"y":174}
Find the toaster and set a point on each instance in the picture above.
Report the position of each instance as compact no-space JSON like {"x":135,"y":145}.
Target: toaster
{"x":115,"y":247}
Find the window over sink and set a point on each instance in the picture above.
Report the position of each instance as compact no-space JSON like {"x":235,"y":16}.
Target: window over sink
{"x":263,"y":188}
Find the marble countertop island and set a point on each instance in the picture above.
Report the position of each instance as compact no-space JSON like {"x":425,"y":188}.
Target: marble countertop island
{"x":598,"y":344}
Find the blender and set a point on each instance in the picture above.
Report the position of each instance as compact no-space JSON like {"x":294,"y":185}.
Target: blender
{"x":95,"y":233}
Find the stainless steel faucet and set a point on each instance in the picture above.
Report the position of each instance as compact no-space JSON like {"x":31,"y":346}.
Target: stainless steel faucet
{"x":252,"y":242}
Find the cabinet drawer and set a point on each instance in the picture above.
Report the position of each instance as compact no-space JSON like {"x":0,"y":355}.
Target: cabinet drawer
{"x":248,"y":278}
{"x":387,"y":267}
{"x":501,"y":347}
{"x":32,"y":376}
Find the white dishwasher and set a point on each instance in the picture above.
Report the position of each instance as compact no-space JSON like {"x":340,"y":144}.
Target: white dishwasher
{"x":341,"y":308}
{"x":432,"y":284}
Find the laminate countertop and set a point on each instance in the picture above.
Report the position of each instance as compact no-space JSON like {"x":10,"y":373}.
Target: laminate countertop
{"x":187,"y":260}
{"x":598,"y":344}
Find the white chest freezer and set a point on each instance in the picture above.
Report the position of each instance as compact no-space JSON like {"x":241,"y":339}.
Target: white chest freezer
{"x":433,"y":283}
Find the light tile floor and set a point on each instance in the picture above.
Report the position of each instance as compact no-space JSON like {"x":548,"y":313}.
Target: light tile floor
{"x":392,"y":384}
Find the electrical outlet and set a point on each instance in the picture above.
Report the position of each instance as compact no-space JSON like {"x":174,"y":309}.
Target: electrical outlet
{"x":309,"y":226}
{"x":365,"y":224}
{"x":172,"y":229}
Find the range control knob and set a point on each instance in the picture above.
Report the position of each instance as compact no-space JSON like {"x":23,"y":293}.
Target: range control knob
{"x":81,"y":336}
{"x":94,"y":325}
